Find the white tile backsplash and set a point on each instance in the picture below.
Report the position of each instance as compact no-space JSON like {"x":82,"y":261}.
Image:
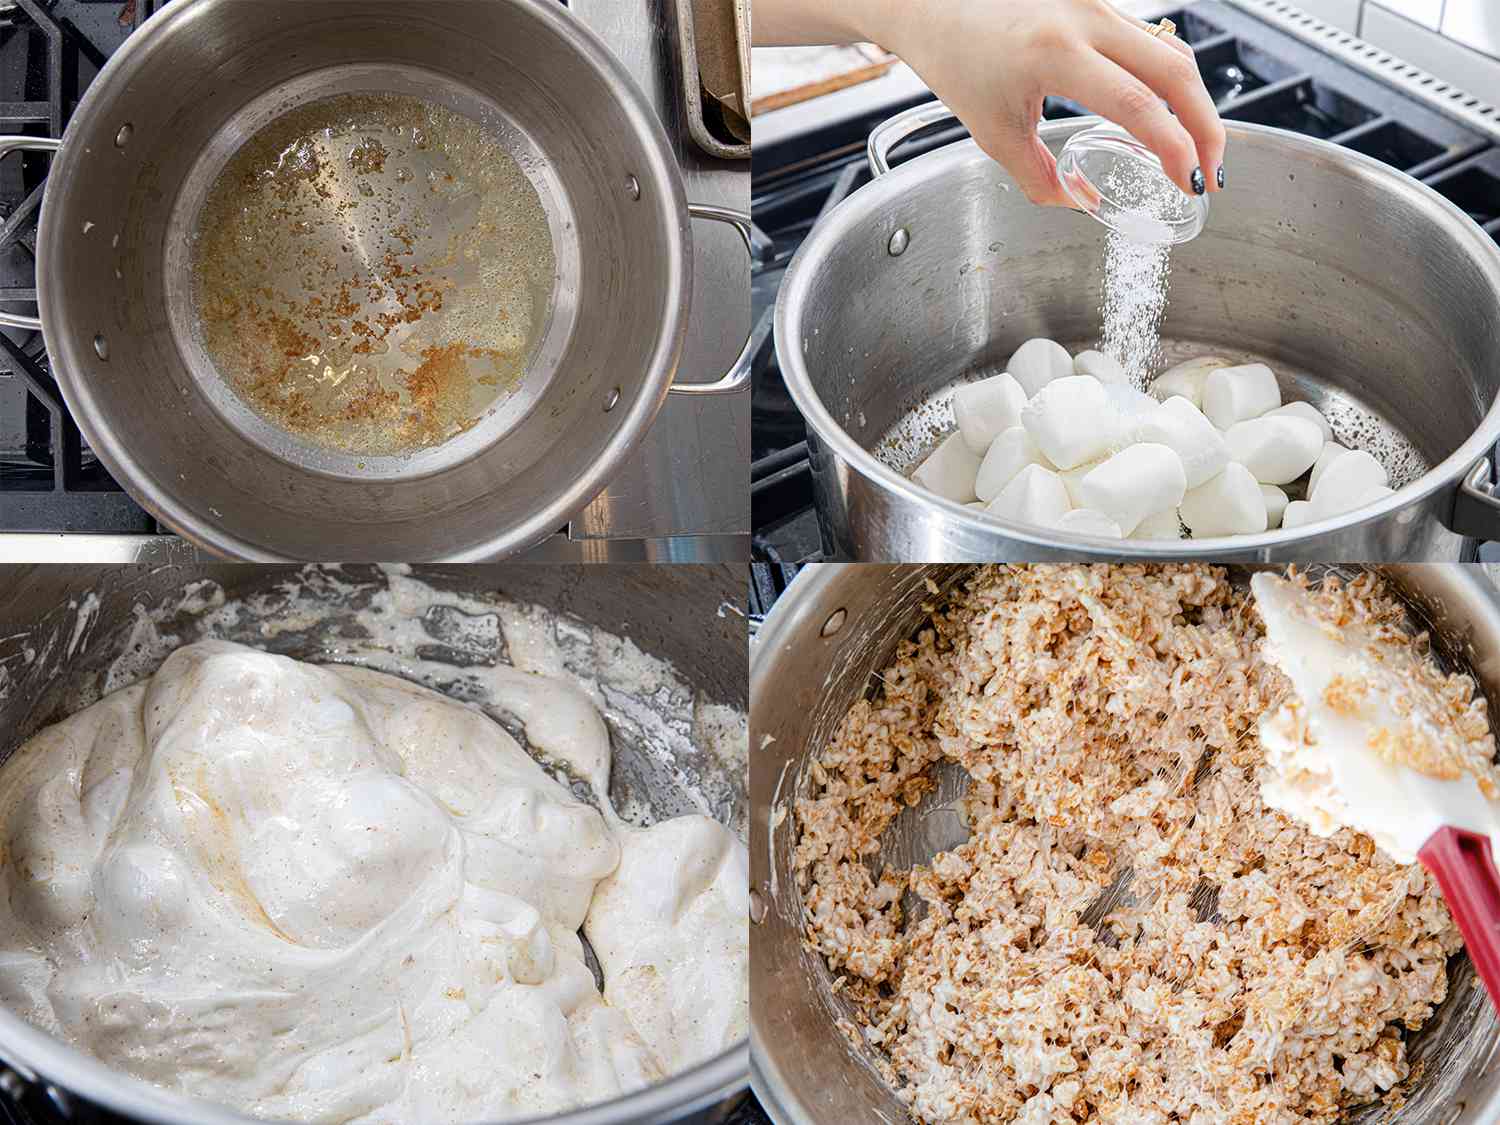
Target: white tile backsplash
{"x":1428,"y":13}
{"x":1475,"y":23}
{"x":1461,"y":66}
{"x":1341,"y":13}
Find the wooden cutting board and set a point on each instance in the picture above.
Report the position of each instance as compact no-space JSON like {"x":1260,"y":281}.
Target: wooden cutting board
{"x":784,"y":76}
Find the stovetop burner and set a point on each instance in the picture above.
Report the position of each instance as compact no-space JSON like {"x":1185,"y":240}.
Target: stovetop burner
{"x":49,"y":478}
{"x":1257,"y":72}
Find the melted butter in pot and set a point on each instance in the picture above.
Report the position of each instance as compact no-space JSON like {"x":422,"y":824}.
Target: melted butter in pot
{"x":373,"y":273}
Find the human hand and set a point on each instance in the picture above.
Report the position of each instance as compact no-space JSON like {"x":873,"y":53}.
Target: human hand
{"x":993,"y":61}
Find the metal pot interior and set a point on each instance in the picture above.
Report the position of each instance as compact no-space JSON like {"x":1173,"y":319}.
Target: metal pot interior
{"x":804,"y":679}
{"x":65,"y":626}
{"x":173,"y":107}
{"x":1369,"y":295}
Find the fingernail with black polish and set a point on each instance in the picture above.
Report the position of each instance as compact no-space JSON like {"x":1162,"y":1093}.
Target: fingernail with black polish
{"x":1200,"y":185}
{"x":1220,"y":177}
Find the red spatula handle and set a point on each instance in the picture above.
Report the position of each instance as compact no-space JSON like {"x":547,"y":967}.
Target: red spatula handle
{"x":1465,"y":870}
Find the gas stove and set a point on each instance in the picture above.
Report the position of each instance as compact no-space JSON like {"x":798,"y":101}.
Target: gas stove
{"x":1263,"y":60}
{"x":49,"y":479}
{"x":680,"y":497}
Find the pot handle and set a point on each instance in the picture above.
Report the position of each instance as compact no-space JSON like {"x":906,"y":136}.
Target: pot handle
{"x":1476,"y":508}
{"x":890,"y":133}
{"x":25,"y":144}
{"x":739,"y":375}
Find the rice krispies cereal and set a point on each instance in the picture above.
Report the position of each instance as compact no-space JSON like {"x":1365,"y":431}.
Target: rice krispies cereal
{"x":1247,"y":972}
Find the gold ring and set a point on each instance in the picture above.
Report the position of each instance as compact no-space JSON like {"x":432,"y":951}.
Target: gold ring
{"x":1162,"y":27}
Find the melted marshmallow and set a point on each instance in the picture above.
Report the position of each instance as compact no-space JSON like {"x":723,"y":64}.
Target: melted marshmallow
{"x":1324,"y":767}
{"x":326,"y":893}
{"x":666,"y":926}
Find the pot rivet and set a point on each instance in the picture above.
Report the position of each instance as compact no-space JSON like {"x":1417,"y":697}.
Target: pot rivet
{"x":899,"y":242}
{"x":613,"y":400}
{"x":835,"y":622}
{"x":101,"y":347}
{"x":758,"y":907}
{"x":122,"y":138}
{"x":13,"y":1085}
{"x":632,"y":187}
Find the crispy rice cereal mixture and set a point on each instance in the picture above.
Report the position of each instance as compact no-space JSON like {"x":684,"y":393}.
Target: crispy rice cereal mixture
{"x":1441,"y":727}
{"x":1247,"y":972}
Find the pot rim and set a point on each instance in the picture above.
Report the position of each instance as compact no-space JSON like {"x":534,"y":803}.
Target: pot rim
{"x":779,"y":629}
{"x":37,"y":1056}
{"x":659,"y":175}
{"x":847,"y":218}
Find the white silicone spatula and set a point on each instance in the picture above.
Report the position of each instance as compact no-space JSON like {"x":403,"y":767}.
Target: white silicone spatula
{"x":1365,"y":743}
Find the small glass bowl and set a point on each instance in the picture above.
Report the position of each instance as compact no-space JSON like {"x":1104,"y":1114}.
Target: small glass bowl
{"x":1121,"y":182}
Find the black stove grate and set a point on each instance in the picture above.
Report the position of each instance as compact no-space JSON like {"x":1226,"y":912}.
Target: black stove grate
{"x":768,"y":581}
{"x":49,"y":479}
{"x":40,"y":1108}
{"x":1258,"y":73}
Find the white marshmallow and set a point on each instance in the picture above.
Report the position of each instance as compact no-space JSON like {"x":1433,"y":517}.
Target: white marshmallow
{"x":1275,"y":450}
{"x":983,"y":409}
{"x":1304,"y":410}
{"x":1186,"y":379}
{"x":1071,"y":420}
{"x":1330,"y":451}
{"x":1180,"y":424}
{"x":1008,"y":454}
{"x":1276,"y":502}
{"x":1105,"y":368}
{"x":1297,"y":513}
{"x":1086,"y":521}
{"x":1035,"y":496}
{"x":1037,"y":362}
{"x":1159,"y":525}
{"x":1345,"y":480}
{"x":1129,"y":409}
{"x":1135,"y":483}
{"x":949,"y":470}
{"x":1229,"y":504}
{"x":1237,"y":394}
{"x":1073,"y":479}
{"x":1380,"y":492}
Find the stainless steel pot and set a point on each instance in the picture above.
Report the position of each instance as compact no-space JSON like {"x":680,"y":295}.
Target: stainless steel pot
{"x":1371,"y":295}
{"x":674,"y":613}
{"x":814,"y":656}
{"x":113,"y":277}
